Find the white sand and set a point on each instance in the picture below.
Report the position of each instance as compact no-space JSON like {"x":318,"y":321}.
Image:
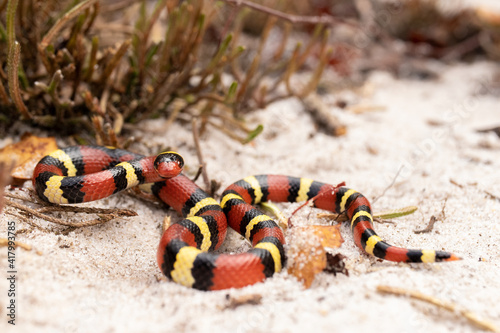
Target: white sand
{"x":105,"y":279}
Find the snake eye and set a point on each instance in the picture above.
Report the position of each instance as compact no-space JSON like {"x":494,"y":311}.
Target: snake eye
{"x":168,"y":164}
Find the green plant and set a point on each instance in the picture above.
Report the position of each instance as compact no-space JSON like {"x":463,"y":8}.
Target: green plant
{"x":59,"y":71}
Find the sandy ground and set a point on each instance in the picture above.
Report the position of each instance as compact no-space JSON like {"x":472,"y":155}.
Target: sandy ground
{"x":105,"y":279}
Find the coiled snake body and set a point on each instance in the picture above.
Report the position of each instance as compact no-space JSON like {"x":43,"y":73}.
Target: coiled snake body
{"x":85,"y":173}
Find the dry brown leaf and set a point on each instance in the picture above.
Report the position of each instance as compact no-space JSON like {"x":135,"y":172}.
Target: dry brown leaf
{"x":26,"y":154}
{"x":309,"y":256}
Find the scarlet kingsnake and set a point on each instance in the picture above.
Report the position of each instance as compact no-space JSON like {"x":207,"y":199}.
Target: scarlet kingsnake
{"x":85,"y":173}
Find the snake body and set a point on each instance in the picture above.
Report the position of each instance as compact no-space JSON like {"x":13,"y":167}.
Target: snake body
{"x":85,"y":173}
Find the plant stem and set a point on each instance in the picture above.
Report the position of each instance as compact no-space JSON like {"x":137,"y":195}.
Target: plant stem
{"x":15,"y":93}
{"x":72,"y":13}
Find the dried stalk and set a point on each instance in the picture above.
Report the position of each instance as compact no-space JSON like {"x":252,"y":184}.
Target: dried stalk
{"x":52,"y":91}
{"x":92,"y":58}
{"x":115,"y":60}
{"x":105,"y":217}
{"x":3,"y":4}
{"x":13,"y":60}
{"x":11,"y":19}
{"x":144,"y":38}
{"x":243,"y":90}
{"x":316,"y":76}
{"x":157,"y":74}
{"x":226,"y":131}
{"x":27,"y":221}
{"x":388,"y":186}
{"x":56,"y":28}
{"x":92,"y":18}
{"x":434,"y":219}
{"x":5,"y":242}
{"x":86,"y":210}
{"x":112,"y":139}
{"x":322,"y":115}
{"x":429,"y":227}
{"x":469,"y":315}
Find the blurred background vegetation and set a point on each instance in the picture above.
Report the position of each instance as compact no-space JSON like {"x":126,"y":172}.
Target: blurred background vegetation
{"x":93,"y":69}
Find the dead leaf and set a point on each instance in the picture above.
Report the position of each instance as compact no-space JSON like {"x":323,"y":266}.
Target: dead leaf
{"x":308,"y":255}
{"x":26,"y":154}
{"x":329,"y":235}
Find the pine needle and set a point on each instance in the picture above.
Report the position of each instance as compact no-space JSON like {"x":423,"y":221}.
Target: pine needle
{"x":470,"y":316}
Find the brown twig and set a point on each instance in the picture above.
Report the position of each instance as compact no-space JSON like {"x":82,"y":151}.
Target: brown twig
{"x":19,"y":197}
{"x":454,"y":182}
{"x":495,"y":130}
{"x":87,"y":210}
{"x":52,"y":91}
{"x":429,"y":227}
{"x":243,"y":90}
{"x":166,"y":223}
{"x":324,"y":19}
{"x":332,"y":216}
{"x":343,"y":218}
{"x":197,"y":175}
{"x":72,"y":13}
{"x":234,"y":302}
{"x":388,"y":186}
{"x":92,"y":59}
{"x":116,"y":5}
{"x":491,"y":195}
{"x":144,"y":39}
{"x":27,"y":221}
{"x":113,"y":63}
{"x":433,"y":220}
{"x":469,"y":315}
{"x":111,"y":138}
{"x":322,"y":115}
{"x":196,"y":138}
{"x":226,"y":131}
{"x":457,"y":51}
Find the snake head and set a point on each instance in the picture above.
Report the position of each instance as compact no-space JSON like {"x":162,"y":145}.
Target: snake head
{"x":168,"y":164}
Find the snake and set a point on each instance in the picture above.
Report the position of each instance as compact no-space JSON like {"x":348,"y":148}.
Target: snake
{"x":185,"y":253}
